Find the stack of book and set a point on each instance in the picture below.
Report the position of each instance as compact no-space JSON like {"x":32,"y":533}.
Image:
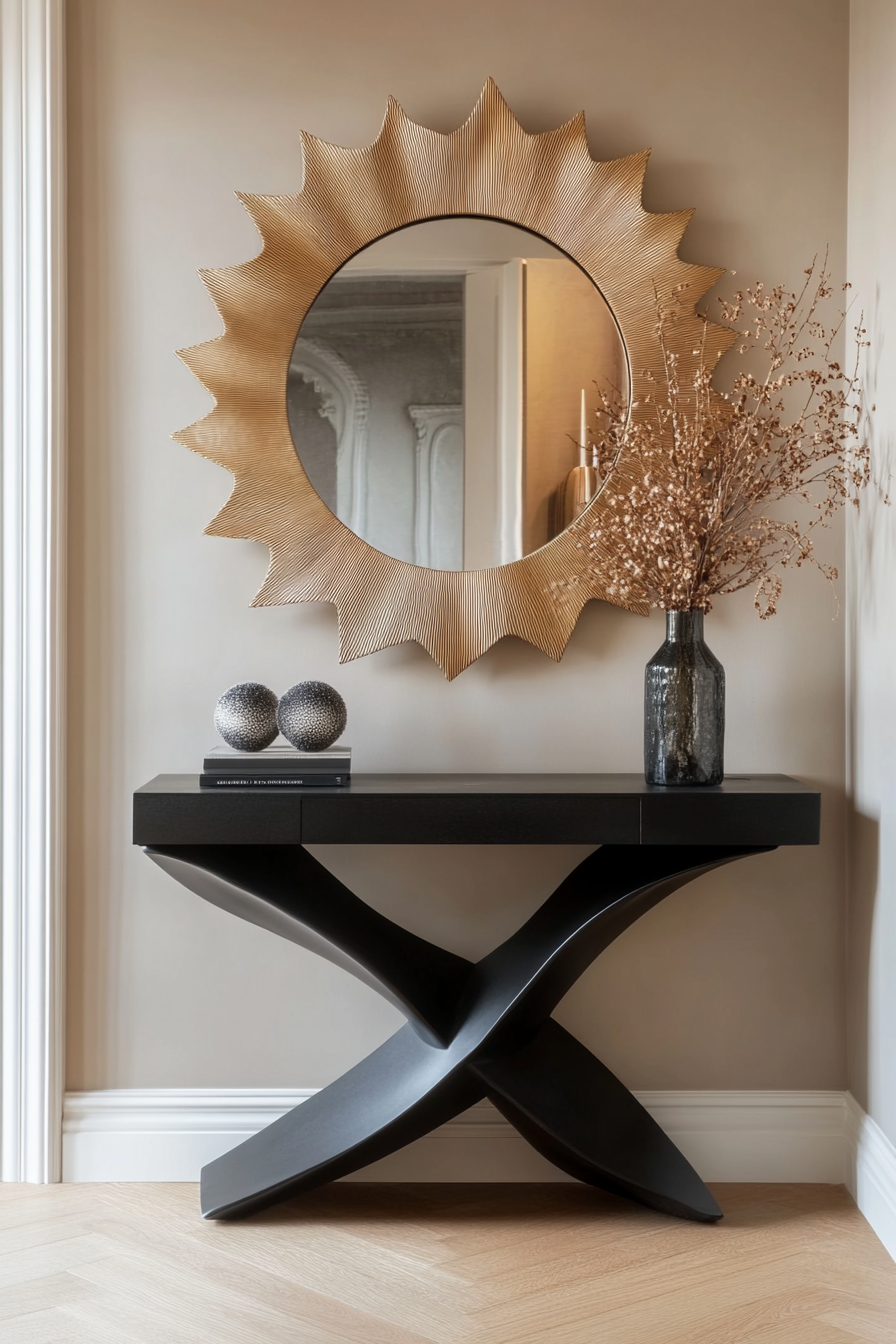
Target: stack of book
{"x":276,"y":767}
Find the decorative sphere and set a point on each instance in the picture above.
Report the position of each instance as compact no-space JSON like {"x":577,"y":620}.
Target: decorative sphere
{"x":246,"y":716}
{"x":311,"y":715}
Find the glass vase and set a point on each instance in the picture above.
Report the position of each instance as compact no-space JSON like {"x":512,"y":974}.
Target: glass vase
{"x":684,"y":707}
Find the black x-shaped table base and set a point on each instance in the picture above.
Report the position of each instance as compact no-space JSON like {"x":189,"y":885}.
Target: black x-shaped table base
{"x":474,"y":1030}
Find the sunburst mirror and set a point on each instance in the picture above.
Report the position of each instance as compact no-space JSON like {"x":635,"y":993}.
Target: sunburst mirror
{"x":403,"y":368}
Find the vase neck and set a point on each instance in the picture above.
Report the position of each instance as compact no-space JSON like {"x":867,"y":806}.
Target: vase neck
{"x":684,"y":627}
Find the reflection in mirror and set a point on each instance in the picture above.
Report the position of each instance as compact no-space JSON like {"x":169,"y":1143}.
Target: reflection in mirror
{"x":440,"y":390}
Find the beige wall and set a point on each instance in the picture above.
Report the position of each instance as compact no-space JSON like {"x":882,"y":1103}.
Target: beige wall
{"x":736,"y":981}
{"x":872,"y":566}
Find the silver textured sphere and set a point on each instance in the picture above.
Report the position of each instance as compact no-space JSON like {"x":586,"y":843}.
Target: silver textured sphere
{"x":246,"y":716}
{"x":311,"y":715}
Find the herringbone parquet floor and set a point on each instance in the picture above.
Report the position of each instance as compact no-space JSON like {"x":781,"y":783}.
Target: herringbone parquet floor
{"x":440,"y":1264}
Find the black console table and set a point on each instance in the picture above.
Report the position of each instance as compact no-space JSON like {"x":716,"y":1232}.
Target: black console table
{"x":473,"y":1030}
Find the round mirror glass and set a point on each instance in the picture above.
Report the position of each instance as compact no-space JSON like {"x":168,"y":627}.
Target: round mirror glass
{"x":442,"y":397}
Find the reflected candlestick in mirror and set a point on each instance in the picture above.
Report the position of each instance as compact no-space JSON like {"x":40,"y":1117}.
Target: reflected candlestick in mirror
{"x":433,"y":390}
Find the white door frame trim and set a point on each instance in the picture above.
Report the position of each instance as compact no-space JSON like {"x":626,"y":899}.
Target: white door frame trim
{"x":32,"y":587}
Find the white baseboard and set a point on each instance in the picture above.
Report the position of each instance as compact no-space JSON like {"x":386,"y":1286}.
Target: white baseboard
{"x":871,"y":1172}
{"x":168,"y":1134}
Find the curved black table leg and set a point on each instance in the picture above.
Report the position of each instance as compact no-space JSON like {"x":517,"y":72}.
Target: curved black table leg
{"x":474,"y":1030}
{"x":520,"y":983}
{"x":576,"y":1113}
{"x":402,"y":1091}
{"x":284,"y":889}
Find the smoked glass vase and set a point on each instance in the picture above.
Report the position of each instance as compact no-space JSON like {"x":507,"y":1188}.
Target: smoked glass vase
{"x":684,"y":707}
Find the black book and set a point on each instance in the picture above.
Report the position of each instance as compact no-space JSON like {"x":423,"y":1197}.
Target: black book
{"x":315,"y":779}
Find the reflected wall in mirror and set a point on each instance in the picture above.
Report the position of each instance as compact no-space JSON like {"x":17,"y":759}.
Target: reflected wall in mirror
{"x":436,"y":392}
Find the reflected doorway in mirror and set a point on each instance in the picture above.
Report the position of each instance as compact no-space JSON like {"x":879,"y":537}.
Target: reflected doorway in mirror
{"x":433,"y":391}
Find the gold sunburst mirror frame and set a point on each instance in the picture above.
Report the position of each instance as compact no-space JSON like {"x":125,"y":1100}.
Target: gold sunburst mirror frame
{"x":490,"y":167}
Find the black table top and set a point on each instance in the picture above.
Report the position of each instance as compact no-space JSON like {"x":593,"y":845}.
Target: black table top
{"x":481,"y":809}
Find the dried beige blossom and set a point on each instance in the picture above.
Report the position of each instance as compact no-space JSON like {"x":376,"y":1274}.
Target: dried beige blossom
{"x":691,"y":481}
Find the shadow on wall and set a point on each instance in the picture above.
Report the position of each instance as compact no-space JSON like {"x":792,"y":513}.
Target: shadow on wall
{"x":873,"y":540}
{"x":864,"y":851}
{"x":872,"y":731}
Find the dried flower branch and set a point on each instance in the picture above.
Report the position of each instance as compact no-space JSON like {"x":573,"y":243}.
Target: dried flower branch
{"x":690,"y":477}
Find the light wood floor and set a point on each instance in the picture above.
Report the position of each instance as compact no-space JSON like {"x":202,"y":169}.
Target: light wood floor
{"x":108,"y":1264}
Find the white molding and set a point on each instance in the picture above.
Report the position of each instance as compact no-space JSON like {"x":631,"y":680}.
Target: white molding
{"x":871,"y":1172}
{"x":756,"y":1136}
{"x":511,"y":434}
{"x":168,"y":1134}
{"x":345,"y":402}
{"x":494,"y":413}
{"x":32,"y":386}
{"x":438,"y":514}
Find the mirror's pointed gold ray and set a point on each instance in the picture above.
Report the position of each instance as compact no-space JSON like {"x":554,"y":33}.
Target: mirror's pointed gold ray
{"x":490,"y":166}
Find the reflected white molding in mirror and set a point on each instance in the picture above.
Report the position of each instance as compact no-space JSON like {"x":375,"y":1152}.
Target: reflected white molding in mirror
{"x":345,"y":403}
{"x":493,"y":395}
{"x":439,"y":486}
